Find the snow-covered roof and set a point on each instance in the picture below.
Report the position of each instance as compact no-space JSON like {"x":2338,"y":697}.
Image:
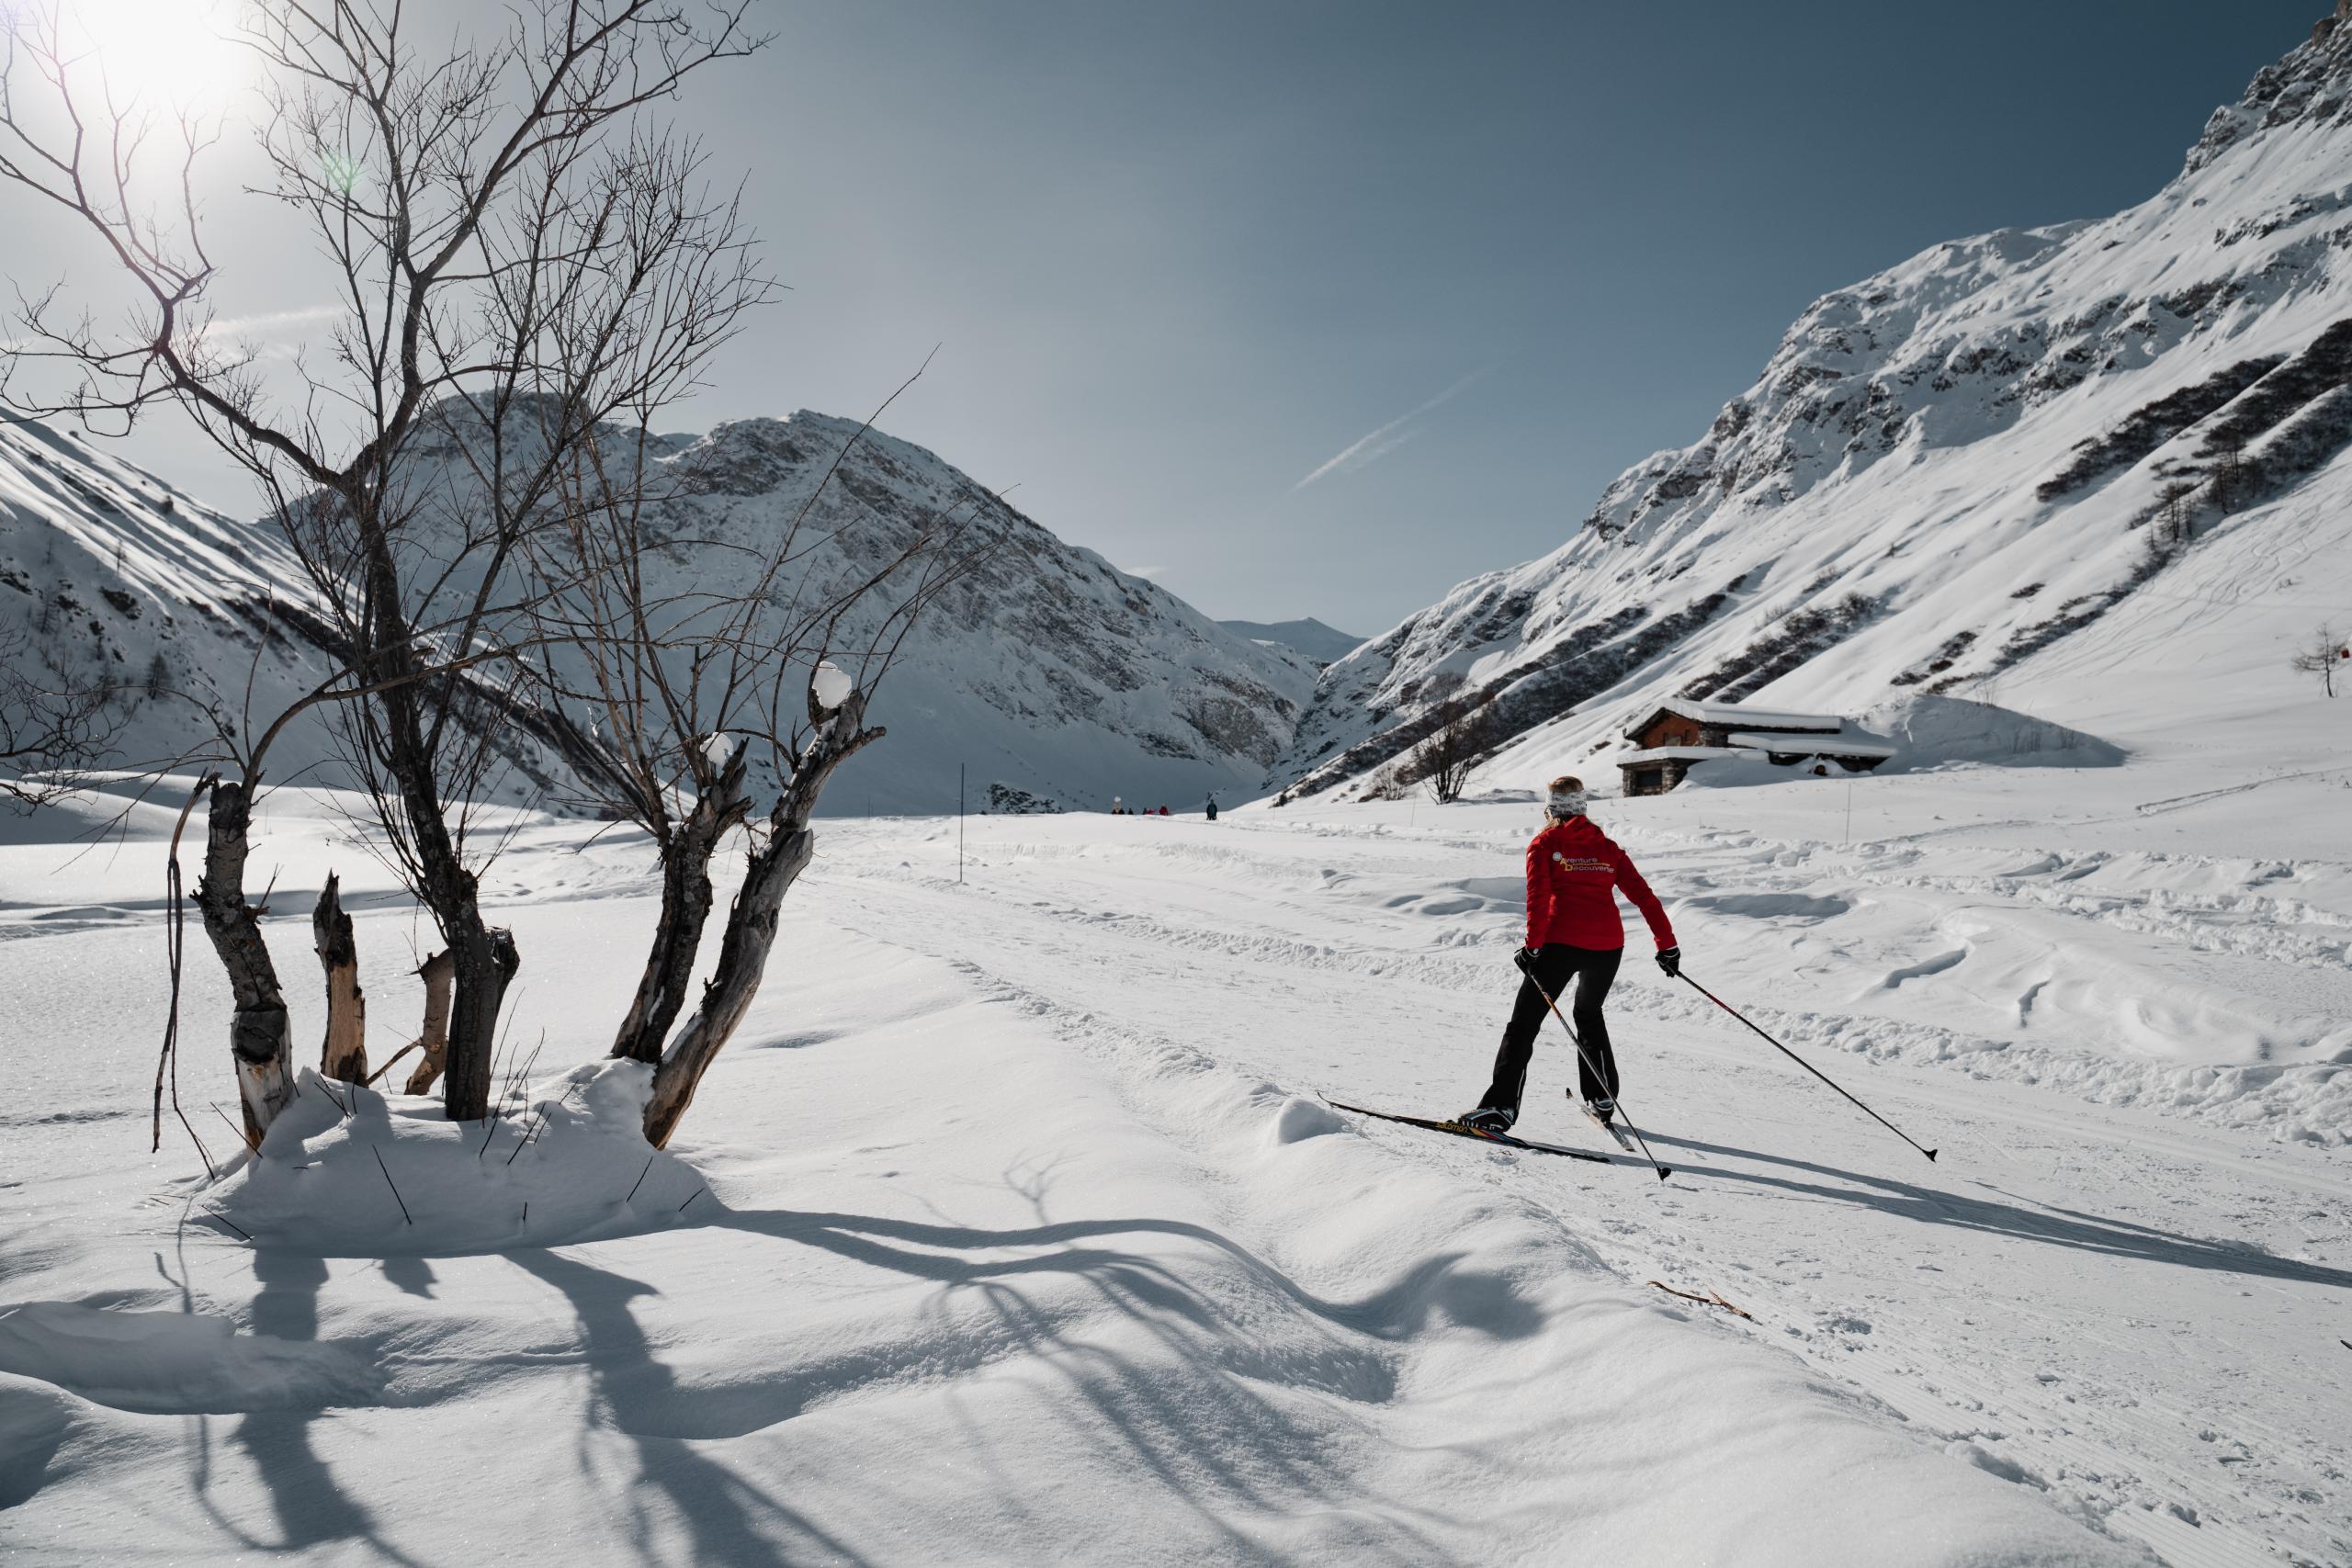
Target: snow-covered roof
{"x":1850,"y":743}
{"x":1728,"y":714}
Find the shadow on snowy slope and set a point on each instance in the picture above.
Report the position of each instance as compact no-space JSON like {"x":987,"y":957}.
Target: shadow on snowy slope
{"x":1196,"y":1421}
{"x":1198,"y":1424}
{"x":729,"y":1519}
{"x":2053,"y":1227}
{"x":1433,"y":1287}
{"x":311,"y":1508}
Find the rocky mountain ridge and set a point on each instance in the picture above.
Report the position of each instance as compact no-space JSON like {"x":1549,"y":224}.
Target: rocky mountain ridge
{"x":1047,"y":670}
{"x":1944,"y":472}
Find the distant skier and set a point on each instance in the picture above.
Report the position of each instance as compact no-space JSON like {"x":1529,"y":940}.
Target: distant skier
{"x":1212,"y":808}
{"x":1574,"y":933}
{"x":1118,"y":806}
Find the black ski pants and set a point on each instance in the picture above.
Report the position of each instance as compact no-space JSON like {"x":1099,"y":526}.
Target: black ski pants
{"x":1592,"y":969}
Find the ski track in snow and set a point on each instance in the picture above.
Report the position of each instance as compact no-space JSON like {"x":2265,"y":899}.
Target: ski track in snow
{"x":2128,"y":1315}
{"x":1024,"y":1175}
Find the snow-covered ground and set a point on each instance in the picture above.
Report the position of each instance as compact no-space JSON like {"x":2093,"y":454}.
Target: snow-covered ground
{"x":1025,"y":1238}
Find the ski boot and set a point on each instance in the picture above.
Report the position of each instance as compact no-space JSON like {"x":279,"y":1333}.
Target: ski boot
{"x":1489,"y":1119}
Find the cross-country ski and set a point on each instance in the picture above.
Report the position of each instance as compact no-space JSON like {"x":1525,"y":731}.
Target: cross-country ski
{"x":1463,"y":1130}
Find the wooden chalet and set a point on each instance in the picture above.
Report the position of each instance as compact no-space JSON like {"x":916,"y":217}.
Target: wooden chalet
{"x":1678,"y":734}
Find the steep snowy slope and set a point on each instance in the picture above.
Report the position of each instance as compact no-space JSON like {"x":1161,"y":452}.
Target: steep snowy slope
{"x":1047,"y":671}
{"x":110,"y":577}
{"x":1950,"y":473}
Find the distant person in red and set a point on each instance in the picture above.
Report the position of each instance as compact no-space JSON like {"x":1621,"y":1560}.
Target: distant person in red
{"x":1574,"y":933}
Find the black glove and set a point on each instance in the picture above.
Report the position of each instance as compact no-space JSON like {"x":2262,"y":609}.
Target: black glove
{"x":1670,"y":960}
{"x":1525,"y":959}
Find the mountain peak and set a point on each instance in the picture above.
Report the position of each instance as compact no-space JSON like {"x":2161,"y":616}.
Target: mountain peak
{"x":1960,"y":471}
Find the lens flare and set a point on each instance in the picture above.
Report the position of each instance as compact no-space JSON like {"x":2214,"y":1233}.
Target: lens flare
{"x":174,"y":52}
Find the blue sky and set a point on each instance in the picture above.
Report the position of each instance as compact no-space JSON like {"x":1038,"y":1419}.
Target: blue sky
{"x":1316,"y":308}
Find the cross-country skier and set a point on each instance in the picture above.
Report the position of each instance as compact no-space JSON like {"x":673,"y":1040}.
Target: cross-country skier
{"x":1212,"y":808}
{"x":1574,"y":933}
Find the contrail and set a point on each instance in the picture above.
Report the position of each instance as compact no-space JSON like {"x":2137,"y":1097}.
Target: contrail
{"x":1389,"y":436}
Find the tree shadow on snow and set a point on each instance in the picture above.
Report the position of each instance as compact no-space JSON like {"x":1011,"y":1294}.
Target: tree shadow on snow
{"x":2050,"y":1226}
{"x":309,"y":1508}
{"x":1191,"y":1413}
{"x":1206,"y":1434}
{"x":729,"y":1518}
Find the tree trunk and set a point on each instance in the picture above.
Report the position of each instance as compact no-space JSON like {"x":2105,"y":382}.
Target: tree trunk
{"x":434,"y":1037}
{"x":260,"y":1040}
{"x":686,"y":910}
{"x":484,"y":958}
{"x":344,"y":1058}
{"x":751,"y":921}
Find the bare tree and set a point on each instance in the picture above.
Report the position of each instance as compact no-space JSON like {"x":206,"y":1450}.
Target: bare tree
{"x":56,"y":725}
{"x":2319,"y":657}
{"x":680,"y":680}
{"x":2176,"y":526}
{"x":2230,"y":485}
{"x":517,"y":250}
{"x":1466,"y":732}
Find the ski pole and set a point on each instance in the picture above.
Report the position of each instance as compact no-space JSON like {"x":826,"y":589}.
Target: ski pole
{"x":1808,"y":1066}
{"x":1597,"y":1075}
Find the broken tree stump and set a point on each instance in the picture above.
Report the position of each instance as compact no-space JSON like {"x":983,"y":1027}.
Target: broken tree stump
{"x":344,"y":1055}
{"x":440,"y":972}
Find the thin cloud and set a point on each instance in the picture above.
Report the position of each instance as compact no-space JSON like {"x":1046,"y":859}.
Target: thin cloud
{"x":1372,"y":447}
{"x":1142,"y":570}
{"x":271,"y":321}
{"x":262,"y":327}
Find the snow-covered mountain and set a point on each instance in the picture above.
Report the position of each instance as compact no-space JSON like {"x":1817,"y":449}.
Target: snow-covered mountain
{"x":1997,"y":469}
{"x":1325,"y":645}
{"x":1047,"y":671}
{"x":1049,"y":675}
{"x":200,"y":624}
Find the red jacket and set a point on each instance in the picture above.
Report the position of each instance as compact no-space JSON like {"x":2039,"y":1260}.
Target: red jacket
{"x":1571,"y":866}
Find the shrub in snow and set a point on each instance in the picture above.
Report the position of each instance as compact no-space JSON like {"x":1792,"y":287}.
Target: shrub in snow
{"x":1797,"y":638}
{"x":1006,"y":800}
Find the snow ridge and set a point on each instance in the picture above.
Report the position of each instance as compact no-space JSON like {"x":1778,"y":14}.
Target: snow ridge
{"x":1943,"y":474}
{"x":1046,"y":672}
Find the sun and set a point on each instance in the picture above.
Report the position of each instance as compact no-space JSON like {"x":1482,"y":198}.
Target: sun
{"x":173,"y":53}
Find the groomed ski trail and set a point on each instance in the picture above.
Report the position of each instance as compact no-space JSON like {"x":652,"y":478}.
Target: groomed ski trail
{"x":2134,"y":1316}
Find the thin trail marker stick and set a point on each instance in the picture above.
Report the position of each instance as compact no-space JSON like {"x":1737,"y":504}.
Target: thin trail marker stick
{"x":1808,"y":1066}
{"x":1597,"y":1075}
